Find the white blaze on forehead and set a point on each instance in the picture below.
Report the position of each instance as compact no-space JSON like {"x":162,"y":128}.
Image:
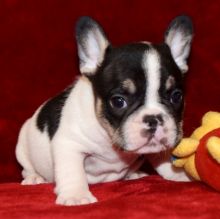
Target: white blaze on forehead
{"x":151,"y":66}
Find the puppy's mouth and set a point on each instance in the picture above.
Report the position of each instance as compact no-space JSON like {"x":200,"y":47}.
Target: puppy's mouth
{"x":152,"y":145}
{"x":151,"y":142}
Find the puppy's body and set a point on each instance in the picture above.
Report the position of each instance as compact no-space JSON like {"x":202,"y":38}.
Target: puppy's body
{"x":127,"y":103}
{"x":103,"y":162}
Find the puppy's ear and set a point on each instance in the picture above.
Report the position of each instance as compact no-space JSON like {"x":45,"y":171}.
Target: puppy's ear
{"x":179,"y":37}
{"x":92,"y":44}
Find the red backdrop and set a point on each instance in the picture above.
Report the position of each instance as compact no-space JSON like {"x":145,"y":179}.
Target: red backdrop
{"x":38,"y":54}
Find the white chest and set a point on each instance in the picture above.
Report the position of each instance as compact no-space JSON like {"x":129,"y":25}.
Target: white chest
{"x":111,"y":165}
{"x":80,"y":124}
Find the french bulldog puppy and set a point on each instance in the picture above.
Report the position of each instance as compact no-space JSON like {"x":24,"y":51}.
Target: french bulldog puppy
{"x":127,"y":102}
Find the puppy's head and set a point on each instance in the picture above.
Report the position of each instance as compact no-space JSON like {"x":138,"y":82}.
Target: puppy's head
{"x":138,"y":87}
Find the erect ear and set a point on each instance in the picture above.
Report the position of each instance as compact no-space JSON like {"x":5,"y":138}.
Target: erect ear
{"x":91,"y":43}
{"x":179,"y":37}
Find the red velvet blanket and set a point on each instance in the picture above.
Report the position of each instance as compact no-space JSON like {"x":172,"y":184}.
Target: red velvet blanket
{"x":149,"y":197}
{"x":38,"y":59}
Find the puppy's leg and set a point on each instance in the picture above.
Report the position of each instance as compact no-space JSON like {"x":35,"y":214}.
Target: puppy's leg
{"x":135,"y":172}
{"x":70,"y":177}
{"x":29,"y":174}
{"x":162,"y":164}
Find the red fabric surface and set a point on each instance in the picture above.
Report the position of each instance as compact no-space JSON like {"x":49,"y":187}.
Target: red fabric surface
{"x":150,"y":197}
{"x":38,"y":59}
{"x":208,"y":168}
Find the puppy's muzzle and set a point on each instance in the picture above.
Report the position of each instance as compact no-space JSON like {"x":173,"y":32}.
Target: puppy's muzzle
{"x":152,"y":122}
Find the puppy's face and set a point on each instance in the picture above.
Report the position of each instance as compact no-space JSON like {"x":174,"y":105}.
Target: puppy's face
{"x":138,"y":87}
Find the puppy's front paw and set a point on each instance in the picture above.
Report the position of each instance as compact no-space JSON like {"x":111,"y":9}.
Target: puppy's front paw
{"x":33,"y":179}
{"x":79,"y":198}
{"x":135,"y":175}
{"x":179,"y":177}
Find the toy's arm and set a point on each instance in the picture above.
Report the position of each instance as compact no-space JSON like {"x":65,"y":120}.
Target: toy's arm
{"x":186,"y":147}
{"x":185,"y":156}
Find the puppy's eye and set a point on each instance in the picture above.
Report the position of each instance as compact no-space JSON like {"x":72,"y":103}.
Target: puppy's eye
{"x":176,"y":96}
{"x":118,"y":102}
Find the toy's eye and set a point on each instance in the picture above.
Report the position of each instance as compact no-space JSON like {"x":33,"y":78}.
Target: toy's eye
{"x":176,"y":97}
{"x":118,"y":102}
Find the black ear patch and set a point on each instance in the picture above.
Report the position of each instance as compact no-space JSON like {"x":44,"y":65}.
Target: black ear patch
{"x":49,"y":116}
{"x":84,"y":25}
{"x":183,"y":23}
{"x":178,"y":37}
{"x":92,"y":44}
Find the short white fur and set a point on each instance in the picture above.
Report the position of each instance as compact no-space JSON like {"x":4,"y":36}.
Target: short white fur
{"x":80,"y":152}
{"x":151,"y":64}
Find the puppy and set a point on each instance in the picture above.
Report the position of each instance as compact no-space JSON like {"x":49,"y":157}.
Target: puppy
{"x":127,"y":102}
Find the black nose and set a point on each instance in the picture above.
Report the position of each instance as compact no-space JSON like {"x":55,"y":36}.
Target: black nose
{"x":153,"y":121}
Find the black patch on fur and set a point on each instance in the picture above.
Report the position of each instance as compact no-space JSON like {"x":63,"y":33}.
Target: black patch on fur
{"x":49,"y":116}
{"x":120,"y":64}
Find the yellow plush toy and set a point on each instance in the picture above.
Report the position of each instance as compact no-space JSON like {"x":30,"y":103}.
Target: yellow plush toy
{"x":199,"y":154}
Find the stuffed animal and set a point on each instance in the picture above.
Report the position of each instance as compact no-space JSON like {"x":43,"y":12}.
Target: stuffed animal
{"x":199,"y":154}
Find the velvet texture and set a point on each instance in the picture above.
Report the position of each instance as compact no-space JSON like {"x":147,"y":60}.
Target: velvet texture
{"x":149,"y":197}
{"x":38,"y":59}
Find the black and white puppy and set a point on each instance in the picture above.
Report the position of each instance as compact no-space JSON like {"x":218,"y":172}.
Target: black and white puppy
{"x":128,"y":102}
